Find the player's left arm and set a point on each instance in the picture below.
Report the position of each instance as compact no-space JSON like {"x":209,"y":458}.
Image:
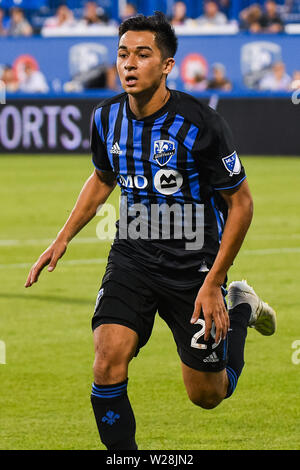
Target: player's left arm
{"x":210,"y":298}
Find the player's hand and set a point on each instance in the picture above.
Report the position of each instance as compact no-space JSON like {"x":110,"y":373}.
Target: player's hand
{"x":50,"y":256}
{"x":211,"y":301}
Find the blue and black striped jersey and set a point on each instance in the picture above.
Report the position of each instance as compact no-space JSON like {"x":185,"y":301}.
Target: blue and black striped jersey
{"x":170,"y":167}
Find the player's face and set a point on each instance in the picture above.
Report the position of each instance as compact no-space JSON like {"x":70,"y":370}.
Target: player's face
{"x":140,"y":64}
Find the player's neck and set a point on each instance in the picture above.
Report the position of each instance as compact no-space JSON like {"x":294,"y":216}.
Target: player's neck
{"x":146,"y":104}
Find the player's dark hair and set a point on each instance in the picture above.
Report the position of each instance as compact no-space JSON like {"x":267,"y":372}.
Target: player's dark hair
{"x":165,"y":36}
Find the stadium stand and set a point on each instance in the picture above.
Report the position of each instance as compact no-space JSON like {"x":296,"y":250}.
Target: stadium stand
{"x":38,"y":10}
{"x":246,"y":61}
{"x":237,"y":65}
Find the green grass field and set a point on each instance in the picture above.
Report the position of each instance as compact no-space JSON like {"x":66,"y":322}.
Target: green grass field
{"x":46,"y":381}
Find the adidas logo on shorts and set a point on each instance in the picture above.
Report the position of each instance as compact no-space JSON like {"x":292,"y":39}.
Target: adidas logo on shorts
{"x":211,"y":358}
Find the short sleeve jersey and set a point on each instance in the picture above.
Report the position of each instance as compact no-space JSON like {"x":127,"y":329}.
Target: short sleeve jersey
{"x":170,"y":167}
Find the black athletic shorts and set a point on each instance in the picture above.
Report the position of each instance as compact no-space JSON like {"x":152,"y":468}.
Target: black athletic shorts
{"x":132,"y":298}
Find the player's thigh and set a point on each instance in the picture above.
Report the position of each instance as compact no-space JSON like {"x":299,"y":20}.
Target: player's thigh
{"x":115,"y":345}
{"x":115,"y":342}
{"x":123,"y":317}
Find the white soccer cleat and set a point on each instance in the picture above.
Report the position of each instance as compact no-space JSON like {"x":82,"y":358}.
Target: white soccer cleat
{"x":263,"y":317}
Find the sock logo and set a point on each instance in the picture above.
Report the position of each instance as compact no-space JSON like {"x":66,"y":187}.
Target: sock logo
{"x":110,"y":417}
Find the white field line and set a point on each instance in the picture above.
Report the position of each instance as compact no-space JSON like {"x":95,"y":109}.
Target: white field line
{"x":91,"y":240}
{"x":272,"y":251}
{"x":74,"y":262}
{"x":46,"y":241}
{"x":275,"y":236}
{"x":69,"y":262}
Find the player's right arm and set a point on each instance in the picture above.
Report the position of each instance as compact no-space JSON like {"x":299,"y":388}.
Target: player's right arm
{"x":95,"y":192}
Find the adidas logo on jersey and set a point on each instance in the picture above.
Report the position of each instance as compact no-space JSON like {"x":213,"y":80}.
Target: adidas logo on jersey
{"x":211,"y":358}
{"x":116,"y":149}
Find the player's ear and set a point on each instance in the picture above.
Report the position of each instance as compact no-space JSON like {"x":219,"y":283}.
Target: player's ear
{"x":168,"y":65}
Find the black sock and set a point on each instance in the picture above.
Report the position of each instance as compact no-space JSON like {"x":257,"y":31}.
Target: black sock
{"x":239,"y":319}
{"x":114,"y":416}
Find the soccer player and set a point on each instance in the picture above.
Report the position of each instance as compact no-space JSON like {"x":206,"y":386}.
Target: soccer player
{"x":185,"y":210}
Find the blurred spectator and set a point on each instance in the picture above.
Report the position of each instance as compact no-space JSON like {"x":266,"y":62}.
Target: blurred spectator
{"x":9,"y":78}
{"x":212,"y":16}
{"x":199,"y":82}
{"x":250,"y":18}
{"x":97,"y":77}
{"x":128,"y":11}
{"x":63,"y":18}
{"x":3,"y":23}
{"x":289,"y":5}
{"x":295,"y":82}
{"x":270,"y":21}
{"x":18,"y":25}
{"x":219,"y":80}
{"x":93,"y":15}
{"x":277,"y":79}
{"x":224,"y":6}
{"x":33,"y":80}
{"x":178,"y":17}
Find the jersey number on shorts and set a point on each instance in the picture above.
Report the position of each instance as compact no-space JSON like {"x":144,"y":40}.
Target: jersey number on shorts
{"x":200,"y":333}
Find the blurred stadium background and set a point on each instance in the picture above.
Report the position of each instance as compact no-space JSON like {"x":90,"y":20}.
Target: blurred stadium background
{"x":57,"y":60}
{"x":56,"y":63}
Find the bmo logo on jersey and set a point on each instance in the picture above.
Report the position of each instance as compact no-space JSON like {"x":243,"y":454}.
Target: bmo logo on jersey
{"x":168,"y":181}
{"x":165,"y":181}
{"x":133,"y":181}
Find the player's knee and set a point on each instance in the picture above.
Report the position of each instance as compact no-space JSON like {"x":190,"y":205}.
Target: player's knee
{"x":115,"y":345}
{"x":207,"y":399}
{"x":109,"y":372}
{"x":109,"y":367}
